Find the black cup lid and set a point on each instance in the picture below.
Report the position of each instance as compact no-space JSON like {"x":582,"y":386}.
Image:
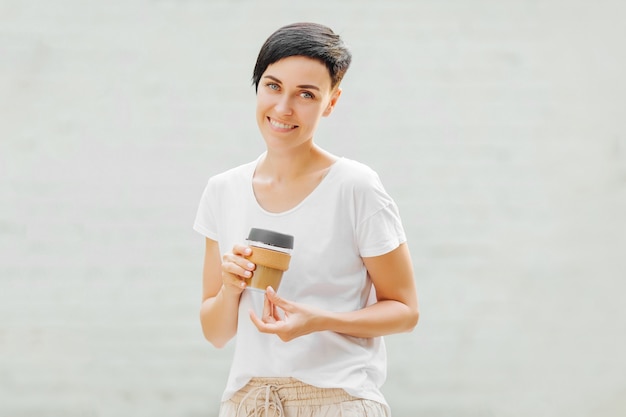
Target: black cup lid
{"x":270,"y":237}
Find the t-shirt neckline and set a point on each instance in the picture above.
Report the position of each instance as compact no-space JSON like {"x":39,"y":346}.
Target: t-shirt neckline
{"x":308,"y":197}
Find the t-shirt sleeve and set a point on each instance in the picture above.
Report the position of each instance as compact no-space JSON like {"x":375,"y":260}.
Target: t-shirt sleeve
{"x":205,"y":223}
{"x":381,"y":233}
{"x":379,"y":228}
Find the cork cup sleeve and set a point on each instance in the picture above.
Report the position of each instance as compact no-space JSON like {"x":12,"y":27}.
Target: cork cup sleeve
{"x":270,"y":258}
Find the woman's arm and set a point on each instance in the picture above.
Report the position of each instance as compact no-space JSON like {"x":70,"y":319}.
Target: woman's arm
{"x":222,"y":284}
{"x":395,"y":311}
{"x":397,"y":308}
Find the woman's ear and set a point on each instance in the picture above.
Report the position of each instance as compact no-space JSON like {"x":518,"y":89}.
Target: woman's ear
{"x":333,"y":101}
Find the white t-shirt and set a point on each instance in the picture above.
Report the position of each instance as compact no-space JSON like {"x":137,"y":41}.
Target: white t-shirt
{"x":348,"y":216}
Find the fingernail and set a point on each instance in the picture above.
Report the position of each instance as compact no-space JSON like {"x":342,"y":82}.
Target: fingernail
{"x":247,"y":273}
{"x":250,"y":265}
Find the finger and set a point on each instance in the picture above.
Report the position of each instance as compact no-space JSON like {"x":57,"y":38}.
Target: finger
{"x":262,"y":326}
{"x":268,"y":312}
{"x":237,"y":265}
{"x":276,"y":300}
{"x":255,"y":320}
{"x":276,"y":316}
{"x":242,"y":250}
{"x":233,"y":283}
{"x":232,"y":279}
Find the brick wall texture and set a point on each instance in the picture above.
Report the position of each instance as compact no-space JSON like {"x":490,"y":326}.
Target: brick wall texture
{"x":498,"y":127}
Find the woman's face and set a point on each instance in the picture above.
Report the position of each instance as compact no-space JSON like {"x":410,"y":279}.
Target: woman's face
{"x":294,"y":94}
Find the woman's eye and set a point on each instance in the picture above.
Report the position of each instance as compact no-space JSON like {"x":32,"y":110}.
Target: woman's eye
{"x":306,"y":94}
{"x":272,"y":86}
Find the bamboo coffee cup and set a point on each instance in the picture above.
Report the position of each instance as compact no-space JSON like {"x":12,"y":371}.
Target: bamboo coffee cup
{"x":271,"y":252}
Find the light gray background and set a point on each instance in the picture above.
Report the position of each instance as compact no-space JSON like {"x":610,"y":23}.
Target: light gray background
{"x":498,"y":126}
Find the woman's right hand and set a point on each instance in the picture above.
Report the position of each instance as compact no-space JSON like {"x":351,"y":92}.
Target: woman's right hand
{"x":222,"y":284}
{"x":236,"y":269}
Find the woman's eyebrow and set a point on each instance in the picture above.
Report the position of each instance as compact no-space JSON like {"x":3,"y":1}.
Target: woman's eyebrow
{"x":307,"y":86}
{"x":273,"y":78}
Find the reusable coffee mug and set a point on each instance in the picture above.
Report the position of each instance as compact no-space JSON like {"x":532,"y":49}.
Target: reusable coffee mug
{"x":271,"y":252}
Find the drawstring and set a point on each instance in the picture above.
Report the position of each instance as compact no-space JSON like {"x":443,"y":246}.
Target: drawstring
{"x":272,"y":401}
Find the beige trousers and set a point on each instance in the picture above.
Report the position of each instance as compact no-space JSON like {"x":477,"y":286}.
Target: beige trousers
{"x":289,"y":397}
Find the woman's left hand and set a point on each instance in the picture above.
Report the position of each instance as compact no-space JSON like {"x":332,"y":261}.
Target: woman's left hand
{"x":395,"y":310}
{"x":297,"y":319}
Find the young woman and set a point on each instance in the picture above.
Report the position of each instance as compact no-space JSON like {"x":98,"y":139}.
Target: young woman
{"x":317,"y":349}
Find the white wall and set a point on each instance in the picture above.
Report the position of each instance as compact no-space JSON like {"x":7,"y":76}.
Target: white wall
{"x":498,"y":126}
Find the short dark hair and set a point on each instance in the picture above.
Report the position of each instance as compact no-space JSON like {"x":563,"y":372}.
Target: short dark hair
{"x":311,"y":40}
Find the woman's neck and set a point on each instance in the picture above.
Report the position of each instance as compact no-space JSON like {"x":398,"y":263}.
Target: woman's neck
{"x":288,"y":166}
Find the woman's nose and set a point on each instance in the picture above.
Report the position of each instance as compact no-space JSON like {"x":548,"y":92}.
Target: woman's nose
{"x":283,"y":105}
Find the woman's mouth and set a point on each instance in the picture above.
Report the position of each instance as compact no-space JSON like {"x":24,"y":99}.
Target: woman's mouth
{"x":280,"y":126}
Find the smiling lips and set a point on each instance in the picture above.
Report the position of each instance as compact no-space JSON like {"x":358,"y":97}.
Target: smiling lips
{"x":281,"y":126}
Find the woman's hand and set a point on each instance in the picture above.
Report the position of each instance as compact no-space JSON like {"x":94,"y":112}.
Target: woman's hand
{"x":395,"y":311}
{"x":236,"y":269}
{"x":296,"y":319}
{"x":222,"y":284}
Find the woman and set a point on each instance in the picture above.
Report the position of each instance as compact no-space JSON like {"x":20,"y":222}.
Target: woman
{"x":317,"y":349}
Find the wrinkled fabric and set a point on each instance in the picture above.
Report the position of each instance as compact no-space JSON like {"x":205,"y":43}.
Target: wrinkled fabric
{"x":354,"y":218}
{"x":289,"y":397}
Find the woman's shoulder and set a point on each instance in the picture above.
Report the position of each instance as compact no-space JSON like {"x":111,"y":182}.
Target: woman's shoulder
{"x":241,"y":172}
{"x":361,"y":181}
{"x":356,"y":173}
